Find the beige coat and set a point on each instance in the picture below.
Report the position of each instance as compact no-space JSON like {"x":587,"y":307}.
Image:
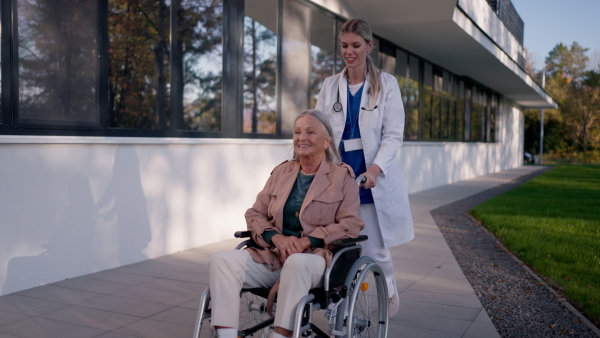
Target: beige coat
{"x":329,"y":211}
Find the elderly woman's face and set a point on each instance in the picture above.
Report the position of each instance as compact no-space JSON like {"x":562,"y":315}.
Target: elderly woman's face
{"x":310,"y":137}
{"x":354,"y":49}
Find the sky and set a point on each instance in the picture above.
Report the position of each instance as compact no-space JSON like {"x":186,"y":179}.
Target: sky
{"x":550,"y":22}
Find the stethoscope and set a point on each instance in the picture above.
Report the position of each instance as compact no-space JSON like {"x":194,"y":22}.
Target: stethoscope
{"x":337,"y":106}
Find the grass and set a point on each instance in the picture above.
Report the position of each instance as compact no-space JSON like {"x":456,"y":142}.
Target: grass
{"x":552,"y":223}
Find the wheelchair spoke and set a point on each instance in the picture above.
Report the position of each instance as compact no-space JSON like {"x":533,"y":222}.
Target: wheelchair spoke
{"x":252,"y":312}
{"x":366,"y":308}
{"x":368,"y":316}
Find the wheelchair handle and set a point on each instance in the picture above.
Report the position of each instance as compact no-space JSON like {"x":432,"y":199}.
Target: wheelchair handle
{"x":360,"y":180}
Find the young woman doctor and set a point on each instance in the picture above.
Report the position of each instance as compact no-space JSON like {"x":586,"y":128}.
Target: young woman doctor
{"x":365,"y":109}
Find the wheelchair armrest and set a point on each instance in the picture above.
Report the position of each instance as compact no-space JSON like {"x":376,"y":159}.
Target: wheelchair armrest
{"x":242,"y":234}
{"x":348,"y":241}
{"x":337,"y":243}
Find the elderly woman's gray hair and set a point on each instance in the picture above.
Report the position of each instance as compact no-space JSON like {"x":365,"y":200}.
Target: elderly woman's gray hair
{"x":331,"y":154}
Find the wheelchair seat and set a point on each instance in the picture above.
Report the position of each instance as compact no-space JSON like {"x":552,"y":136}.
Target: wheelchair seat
{"x":354,"y":297}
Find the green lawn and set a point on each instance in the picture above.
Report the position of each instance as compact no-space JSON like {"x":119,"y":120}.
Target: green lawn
{"x":552,"y":223}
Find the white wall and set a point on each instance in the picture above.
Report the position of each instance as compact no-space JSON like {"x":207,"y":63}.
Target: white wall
{"x":72,"y":206}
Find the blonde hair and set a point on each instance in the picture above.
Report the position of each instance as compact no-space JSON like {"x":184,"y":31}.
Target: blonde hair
{"x":331,"y":154}
{"x":362,"y":29}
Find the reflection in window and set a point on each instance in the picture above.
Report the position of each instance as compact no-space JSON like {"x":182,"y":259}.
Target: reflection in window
{"x":322,"y":52}
{"x":0,"y":71}
{"x":428,"y":104}
{"x":260,"y":67}
{"x":57,"y":61}
{"x":460,"y":112}
{"x":492,"y":119}
{"x":409,"y":87}
{"x":477,"y":114}
{"x":200,"y":29}
{"x":139,"y":74}
{"x":339,"y":59}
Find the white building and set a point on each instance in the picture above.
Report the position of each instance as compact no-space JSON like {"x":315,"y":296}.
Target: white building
{"x":120,"y":141}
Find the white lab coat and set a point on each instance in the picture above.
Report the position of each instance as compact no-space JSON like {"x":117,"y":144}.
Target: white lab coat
{"x":382,"y":134}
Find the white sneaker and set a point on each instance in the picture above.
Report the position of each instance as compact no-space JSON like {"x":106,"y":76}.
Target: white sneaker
{"x":394,"y":304}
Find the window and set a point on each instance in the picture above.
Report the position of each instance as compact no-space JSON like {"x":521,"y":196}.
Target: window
{"x":57,"y":63}
{"x":410,"y":89}
{"x":139,"y":64}
{"x":295,"y":63}
{"x":322,"y":52}
{"x":339,"y":60}
{"x":260,"y":67}
{"x":428,"y":103}
{"x":199,"y":52}
{"x":197,"y":68}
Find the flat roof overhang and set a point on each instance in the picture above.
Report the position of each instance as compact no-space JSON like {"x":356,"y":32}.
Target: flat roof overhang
{"x":440,"y":32}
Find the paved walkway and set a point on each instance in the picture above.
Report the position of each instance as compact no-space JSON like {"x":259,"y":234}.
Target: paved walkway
{"x":159,"y":297}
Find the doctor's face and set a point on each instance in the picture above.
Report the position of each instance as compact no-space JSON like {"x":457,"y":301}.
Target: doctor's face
{"x":354,"y":50}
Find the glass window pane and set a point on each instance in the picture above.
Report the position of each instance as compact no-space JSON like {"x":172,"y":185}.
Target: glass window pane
{"x":444,"y":118}
{"x":339,"y":60}
{"x":295,"y":63}
{"x":388,"y":63}
{"x":426,"y":115}
{"x":322,"y":52}
{"x":492,"y":121}
{"x":57,"y":61}
{"x":401,"y":63}
{"x":260,"y":66}
{"x":387,"y":57}
{"x":0,"y":71}
{"x":409,"y":89}
{"x":436,"y":128}
{"x":139,"y":74}
{"x":375,"y":53}
{"x":477,"y":109}
{"x":200,"y":29}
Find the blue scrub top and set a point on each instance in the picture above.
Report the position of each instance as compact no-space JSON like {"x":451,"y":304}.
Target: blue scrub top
{"x":355,"y":158}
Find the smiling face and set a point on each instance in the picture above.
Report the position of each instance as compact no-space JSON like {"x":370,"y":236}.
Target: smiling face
{"x":310,"y":138}
{"x":354,"y":50}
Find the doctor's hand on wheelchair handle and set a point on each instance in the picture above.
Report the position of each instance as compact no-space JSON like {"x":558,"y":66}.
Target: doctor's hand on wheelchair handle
{"x":360,"y":180}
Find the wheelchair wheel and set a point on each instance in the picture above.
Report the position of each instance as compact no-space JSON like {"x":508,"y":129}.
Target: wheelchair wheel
{"x":253,"y":310}
{"x":368,"y":304}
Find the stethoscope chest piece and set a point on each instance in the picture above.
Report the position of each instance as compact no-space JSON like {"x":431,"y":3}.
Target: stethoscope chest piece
{"x":337,"y":107}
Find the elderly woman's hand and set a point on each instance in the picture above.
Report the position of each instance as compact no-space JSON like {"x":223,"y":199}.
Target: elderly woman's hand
{"x":289,"y":245}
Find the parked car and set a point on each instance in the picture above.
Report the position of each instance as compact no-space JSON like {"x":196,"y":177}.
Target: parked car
{"x":529,"y":158}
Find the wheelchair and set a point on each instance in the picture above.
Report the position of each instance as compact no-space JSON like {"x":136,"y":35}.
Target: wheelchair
{"x":354,"y":298}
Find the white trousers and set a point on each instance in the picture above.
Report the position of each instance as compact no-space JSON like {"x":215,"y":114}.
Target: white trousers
{"x":374,"y":247}
{"x":234,"y":270}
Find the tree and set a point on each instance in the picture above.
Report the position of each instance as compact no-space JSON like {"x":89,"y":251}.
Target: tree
{"x":566,"y":69}
{"x":584,"y":106}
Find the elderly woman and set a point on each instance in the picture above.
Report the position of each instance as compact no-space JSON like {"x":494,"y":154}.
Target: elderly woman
{"x":306,"y":204}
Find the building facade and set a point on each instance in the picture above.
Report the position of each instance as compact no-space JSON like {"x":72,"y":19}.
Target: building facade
{"x":134,"y":129}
